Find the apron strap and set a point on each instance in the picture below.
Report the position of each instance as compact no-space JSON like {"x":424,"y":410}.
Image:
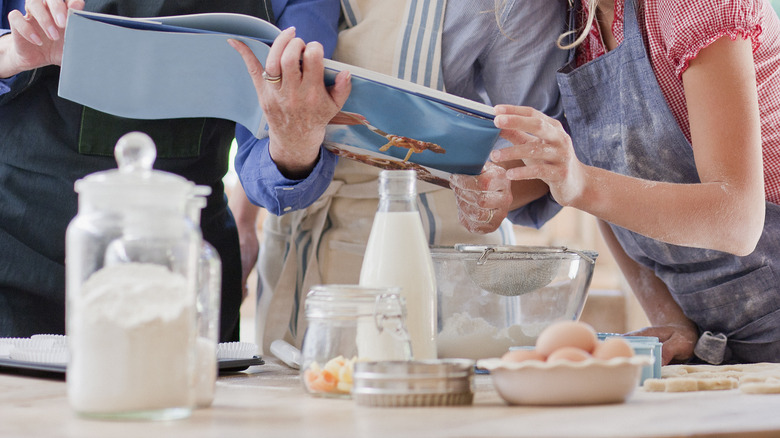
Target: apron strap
{"x":284,"y":320}
{"x":711,"y":347}
{"x":418,"y":50}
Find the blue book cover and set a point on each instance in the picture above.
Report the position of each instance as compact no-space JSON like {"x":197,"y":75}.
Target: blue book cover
{"x":182,"y":66}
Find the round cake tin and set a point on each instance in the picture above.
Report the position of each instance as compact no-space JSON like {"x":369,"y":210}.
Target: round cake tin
{"x":444,"y":382}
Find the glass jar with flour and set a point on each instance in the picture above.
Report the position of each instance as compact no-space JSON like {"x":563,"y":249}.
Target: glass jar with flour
{"x":132,"y":259}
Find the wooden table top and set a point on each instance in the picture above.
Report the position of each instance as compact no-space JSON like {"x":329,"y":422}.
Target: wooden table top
{"x":269,"y":401}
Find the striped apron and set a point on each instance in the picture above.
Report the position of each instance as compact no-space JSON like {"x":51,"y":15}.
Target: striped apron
{"x":324,"y":243}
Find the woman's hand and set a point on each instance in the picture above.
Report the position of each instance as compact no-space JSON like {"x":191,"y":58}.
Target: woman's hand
{"x":544,"y":147}
{"x":294,"y":99}
{"x":678,"y":341}
{"x":37,"y":37}
{"x":483,"y":200}
{"x":669,"y":323}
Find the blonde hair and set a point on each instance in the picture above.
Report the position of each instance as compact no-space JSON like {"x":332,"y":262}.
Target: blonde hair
{"x":592,"y":5}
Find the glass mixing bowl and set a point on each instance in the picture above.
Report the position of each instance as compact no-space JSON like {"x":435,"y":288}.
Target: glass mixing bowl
{"x":491,"y":298}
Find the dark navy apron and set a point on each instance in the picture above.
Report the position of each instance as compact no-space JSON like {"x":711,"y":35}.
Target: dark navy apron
{"x":47,"y":143}
{"x":620,"y":121}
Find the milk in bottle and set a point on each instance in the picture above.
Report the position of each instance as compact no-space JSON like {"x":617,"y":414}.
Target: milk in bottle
{"x":397,"y":254}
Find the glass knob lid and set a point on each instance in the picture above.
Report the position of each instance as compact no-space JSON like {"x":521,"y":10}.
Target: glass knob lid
{"x":135,"y":152}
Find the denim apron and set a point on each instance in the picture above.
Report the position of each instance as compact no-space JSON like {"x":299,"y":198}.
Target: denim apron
{"x":47,"y":143}
{"x":620,"y":121}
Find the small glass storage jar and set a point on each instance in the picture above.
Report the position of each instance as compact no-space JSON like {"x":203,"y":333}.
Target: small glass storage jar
{"x":209,"y":294}
{"x":132,"y":258}
{"x":347,"y":323}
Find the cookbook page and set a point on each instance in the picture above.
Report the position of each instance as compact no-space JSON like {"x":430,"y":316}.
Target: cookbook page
{"x":179,"y":67}
{"x":147,"y":74}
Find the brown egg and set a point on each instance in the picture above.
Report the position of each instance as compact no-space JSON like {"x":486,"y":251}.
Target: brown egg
{"x":572,"y":354}
{"x":522,"y":355}
{"x":566,"y":334}
{"x":613,"y":347}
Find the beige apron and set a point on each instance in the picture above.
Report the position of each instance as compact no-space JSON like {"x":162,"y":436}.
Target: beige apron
{"x":324,"y":243}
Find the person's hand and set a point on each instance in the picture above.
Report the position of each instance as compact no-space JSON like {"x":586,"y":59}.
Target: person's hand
{"x":294,"y":99}
{"x":678,"y":341}
{"x":37,"y":37}
{"x":483,"y":200}
{"x":543,"y":146}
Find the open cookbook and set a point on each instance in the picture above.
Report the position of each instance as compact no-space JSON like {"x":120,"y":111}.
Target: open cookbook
{"x":182,"y":66}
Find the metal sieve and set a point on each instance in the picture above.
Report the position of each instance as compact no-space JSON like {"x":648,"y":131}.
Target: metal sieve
{"x":514,"y":270}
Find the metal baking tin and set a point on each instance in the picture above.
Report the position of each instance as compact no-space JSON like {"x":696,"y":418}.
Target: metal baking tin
{"x":444,"y":382}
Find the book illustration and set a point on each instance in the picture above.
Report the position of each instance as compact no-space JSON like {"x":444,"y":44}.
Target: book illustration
{"x":383,"y":162}
{"x":182,"y":66}
{"x":413,"y":145}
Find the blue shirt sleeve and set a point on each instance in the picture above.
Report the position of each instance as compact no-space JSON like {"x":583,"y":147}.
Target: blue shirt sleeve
{"x":267,"y":187}
{"x":314,"y":20}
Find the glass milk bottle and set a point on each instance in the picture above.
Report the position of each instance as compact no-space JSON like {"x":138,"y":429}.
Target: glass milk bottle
{"x":397,"y":255}
{"x":131,"y":276}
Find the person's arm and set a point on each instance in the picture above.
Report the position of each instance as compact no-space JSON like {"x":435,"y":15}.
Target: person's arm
{"x":724,"y":212}
{"x":267,"y":187}
{"x":246,"y":215}
{"x":669,"y":324}
{"x":290,"y":168}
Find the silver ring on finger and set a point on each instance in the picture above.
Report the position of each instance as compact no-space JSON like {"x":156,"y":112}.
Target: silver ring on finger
{"x":271,"y":79}
{"x":491,"y":212}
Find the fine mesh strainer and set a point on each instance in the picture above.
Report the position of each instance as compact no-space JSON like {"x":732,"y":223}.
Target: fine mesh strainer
{"x":514,"y":270}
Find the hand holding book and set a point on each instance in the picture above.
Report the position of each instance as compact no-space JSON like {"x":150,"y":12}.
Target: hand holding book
{"x":297,"y":106}
{"x":183,"y":66}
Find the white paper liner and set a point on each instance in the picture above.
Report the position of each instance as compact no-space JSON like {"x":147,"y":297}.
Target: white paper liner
{"x":15,"y":341}
{"x":5,"y":348}
{"x":53,"y":355}
{"x":55,"y":340}
{"x":53,"y":349}
{"x":236,"y":350}
{"x":43,"y":348}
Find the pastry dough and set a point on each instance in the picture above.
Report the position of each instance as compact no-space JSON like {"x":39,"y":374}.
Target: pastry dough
{"x":758,"y":378}
{"x":769,"y":386}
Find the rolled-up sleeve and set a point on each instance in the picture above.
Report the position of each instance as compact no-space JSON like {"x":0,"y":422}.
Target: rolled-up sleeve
{"x":314,"y":20}
{"x":267,"y":187}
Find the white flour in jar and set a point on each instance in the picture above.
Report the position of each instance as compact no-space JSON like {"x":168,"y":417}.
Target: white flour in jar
{"x":132,"y":344}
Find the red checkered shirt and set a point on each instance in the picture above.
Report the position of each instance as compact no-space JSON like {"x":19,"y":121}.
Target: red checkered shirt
{"x":675,"y":32}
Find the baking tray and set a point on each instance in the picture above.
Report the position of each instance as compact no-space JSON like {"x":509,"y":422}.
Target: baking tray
{"x":57,"y":371}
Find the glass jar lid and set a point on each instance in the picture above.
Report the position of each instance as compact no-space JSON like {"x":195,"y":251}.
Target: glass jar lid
{"x":353,"y":301}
